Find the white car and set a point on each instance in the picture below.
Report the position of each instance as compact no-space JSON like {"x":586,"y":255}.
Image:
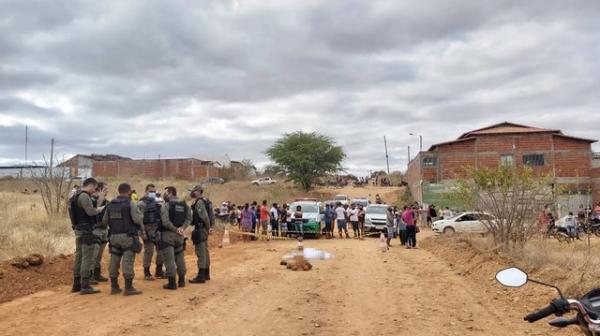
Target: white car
{"x":342,"y":199}
{"x":264,"y":181}
{"x":467,"y":222}
{"x":376,"y":218}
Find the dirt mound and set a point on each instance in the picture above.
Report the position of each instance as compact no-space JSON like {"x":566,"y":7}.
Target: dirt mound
{"x":480,"y":267}
{"x":16,"y":282}
{"x":34,"y":273}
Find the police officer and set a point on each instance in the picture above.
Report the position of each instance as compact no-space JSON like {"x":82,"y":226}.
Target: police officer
{"x":151,"y":210}
{"x":175,"y":218}
{"x":83,"y":217}
{"x":124,"y":220}
{"x":100,"y":232}
{"x":202,"y":220}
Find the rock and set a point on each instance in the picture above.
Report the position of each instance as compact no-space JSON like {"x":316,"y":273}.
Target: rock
{"x":19,"y":263}
{"x":1,"y":274}
{"x":35,"y":259}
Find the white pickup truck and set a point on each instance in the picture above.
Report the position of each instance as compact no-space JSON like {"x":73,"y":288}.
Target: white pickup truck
{"x":263,"y":181}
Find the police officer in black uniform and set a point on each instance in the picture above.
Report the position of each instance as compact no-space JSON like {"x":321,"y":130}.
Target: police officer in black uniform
{"x":175,"y":218}
{"x":151,"y":209}
{"x":124,"y":220}
{"x":83,"y":218}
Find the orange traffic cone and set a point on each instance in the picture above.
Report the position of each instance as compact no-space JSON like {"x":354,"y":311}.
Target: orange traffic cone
{"x":383,"y":243}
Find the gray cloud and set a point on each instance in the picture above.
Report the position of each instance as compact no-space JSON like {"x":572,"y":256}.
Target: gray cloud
{"x":141,"y":78}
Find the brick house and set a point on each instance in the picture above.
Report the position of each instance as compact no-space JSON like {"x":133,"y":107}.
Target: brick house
{"x":117,"y":166}
{"x":567,"y":159}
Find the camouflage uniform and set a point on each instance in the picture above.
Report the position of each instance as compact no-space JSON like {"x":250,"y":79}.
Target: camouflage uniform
{"x":175,"y":214}
{"x":101,"y":239}
{"x":83,"y":218}
{"x":202,"y":222}
{"x":151,"y":222}
{"x":124,"y":219}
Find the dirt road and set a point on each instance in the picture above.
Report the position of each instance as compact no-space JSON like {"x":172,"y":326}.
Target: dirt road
{"x":360,"y":292}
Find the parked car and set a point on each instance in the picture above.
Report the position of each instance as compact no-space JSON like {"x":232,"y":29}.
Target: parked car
{"x":264,"y":181}
{"x":341,"y":199}
{"x":312,"y":216}
{"x":364,"y":201}
{"x":215,"y":180}
{"x":376,"y":218}
{"x":467,"y":222}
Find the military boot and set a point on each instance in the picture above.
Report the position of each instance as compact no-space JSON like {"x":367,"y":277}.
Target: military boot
{"x":98,"y":275}
{"x":92,"y":280}
{"x":181,"y":282}
{"x":172,"y":284}
{"x":86,"y":288}
{"x":114,"y":286}
{"x":207,"y":273}
{"x":200,"y":278}
{"x":159,"y":274}
{"x":147,"y":274}
{"x":76,"y":285}
{"x":129,"y":290}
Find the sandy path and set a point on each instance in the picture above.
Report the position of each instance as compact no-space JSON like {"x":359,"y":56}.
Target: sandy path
{"x":361,"y":292}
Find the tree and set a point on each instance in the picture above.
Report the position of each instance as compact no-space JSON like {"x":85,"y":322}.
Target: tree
{"x":512,"y":196}
{"x":54,"y":184}
{"x":304,"y":157}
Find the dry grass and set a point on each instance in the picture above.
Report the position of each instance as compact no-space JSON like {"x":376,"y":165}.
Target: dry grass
{"x":25,"y":228}
{"x":574,"y":267}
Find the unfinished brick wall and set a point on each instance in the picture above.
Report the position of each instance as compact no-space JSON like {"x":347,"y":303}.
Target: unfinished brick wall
{"x":567,"y":159}
{"x":185,"y":169}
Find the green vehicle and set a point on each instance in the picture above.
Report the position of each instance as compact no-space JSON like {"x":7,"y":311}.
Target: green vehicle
{"x":312,"y":217}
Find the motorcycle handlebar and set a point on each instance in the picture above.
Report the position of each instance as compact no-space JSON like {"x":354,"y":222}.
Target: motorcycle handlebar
{"x":534,"y":317}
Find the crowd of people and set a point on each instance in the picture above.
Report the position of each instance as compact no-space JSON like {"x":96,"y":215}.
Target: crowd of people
{"x":571,"y":223}
{"x":263,"y":221}
{"x":159,"y":222}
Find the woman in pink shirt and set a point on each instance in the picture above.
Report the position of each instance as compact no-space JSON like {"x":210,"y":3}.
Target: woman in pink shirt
{"x":408,"y":217}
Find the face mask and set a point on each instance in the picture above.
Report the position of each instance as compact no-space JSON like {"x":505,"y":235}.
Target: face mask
{"x":152,"y":195}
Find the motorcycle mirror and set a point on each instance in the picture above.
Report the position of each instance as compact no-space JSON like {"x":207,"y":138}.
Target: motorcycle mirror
{"x":512,"y":277}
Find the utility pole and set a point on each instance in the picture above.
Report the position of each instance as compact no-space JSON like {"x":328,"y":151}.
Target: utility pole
{"x":387,"y":158}
{"x":26,"y":142}
{"x":420,"y":141}
{"x":408,"y":157}
{"x":51,"y":156}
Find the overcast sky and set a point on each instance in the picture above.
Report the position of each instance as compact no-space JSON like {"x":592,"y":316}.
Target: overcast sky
{"x":205,"y":78}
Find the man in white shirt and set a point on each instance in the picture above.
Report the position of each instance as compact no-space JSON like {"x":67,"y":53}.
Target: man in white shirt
{"x":570,"y":224}
{"x":275,"y":219}
{"x":341,"y":220}
{"x":447,"y":213}
{"x":354,"y":220}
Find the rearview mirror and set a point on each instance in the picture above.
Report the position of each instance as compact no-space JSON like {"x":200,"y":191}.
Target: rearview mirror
{"x":512,"y":277}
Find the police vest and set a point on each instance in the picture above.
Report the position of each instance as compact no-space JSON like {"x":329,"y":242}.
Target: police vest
{"x":196,"y":220}
{"x":178,"y":212}
{"x":80,"y":220}
{"x":151,"y":212}
{"x":119,"y":216}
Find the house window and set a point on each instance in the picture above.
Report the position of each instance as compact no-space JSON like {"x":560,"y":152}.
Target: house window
{"x":533,"y":159}
{"x":507,"y":160}
{"x":430,"y":161}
